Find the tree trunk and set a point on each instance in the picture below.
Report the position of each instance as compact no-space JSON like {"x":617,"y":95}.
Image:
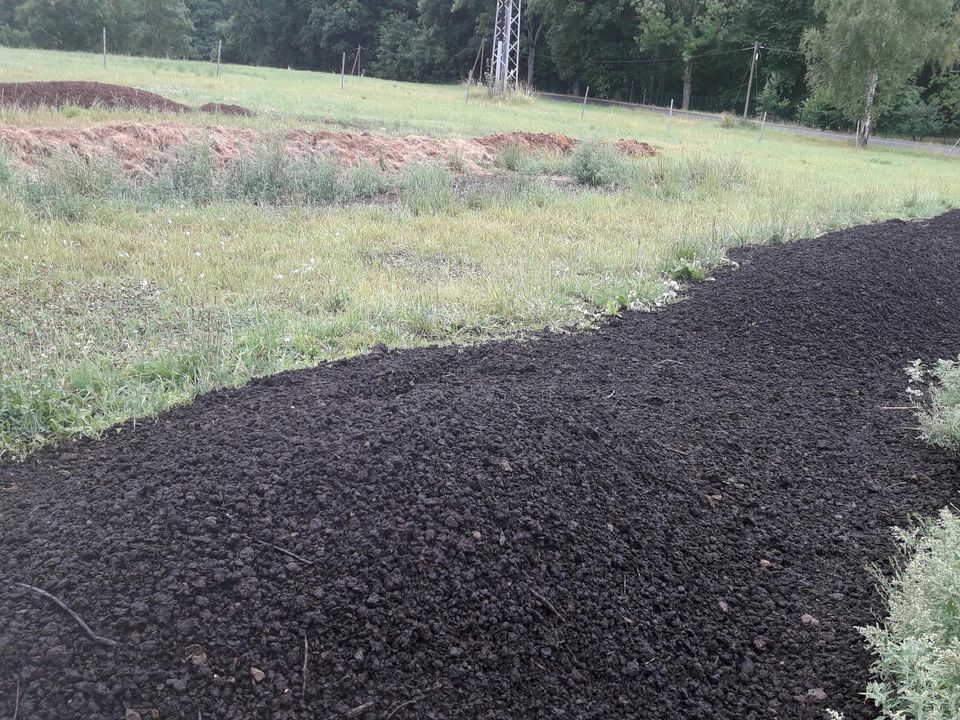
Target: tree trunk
{"x":531,"y":58}
{"x":687,"y":80}
{"x":863,"y":137}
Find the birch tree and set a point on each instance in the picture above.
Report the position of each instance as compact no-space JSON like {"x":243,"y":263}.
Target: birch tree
{"x":867,"y":47}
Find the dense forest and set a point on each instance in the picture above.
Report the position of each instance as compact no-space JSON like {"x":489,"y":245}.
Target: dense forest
{"x":817,"y":60}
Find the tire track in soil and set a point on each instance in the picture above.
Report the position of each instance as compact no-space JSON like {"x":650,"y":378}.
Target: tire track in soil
{"x":630,"y":523}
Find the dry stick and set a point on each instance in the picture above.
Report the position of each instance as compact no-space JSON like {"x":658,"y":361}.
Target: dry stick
{"x":16,"y":702}
{"x":306,"y":656}
{"x":282,"y":550}
{"x":546,"y":602}
{"x":401,"y":706}
{"x":60,"y":604}
{"x":360,"y":709}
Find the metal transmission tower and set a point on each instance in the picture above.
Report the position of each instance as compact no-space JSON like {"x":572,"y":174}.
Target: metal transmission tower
{"x":506,"y":45}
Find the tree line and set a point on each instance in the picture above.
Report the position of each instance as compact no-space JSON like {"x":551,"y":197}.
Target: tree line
{"x":886,"y":64}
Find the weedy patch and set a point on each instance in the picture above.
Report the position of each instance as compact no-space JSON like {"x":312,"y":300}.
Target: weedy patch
{"x":917,"y":646}
{"x":935,"y":392}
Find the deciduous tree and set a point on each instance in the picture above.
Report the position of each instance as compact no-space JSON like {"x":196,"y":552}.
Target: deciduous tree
{"x":683,"y":26}
{"x":867,"y":50}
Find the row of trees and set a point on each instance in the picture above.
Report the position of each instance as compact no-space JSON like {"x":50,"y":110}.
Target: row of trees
{"x":832,"y":63}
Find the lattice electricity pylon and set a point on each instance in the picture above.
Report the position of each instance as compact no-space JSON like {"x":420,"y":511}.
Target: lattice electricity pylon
{"x":506,"y":45}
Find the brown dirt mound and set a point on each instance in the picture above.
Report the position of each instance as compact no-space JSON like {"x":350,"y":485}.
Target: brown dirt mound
{"x":226,"y":109}
{"x":551,"y":142}
{"x":635,"y":148}
{"x":83,"y":94}
{"x":141,"y":147}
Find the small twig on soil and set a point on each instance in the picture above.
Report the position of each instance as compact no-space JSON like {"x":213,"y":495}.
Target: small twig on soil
{"x":281,"y":550}
{"x":360,"y":709}
{"x":16,"y":702}
{"x":896,"y":407}
{"x":60,"y":604}
{"x":402,"y":705}
{"x":662,"y":362}
{"x":306,"y":657}
{"x":545,"y":601}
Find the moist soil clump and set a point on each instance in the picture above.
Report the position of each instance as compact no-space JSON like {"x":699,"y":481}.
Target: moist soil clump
{"x":83,"y":94}
{"x":667,"y":518}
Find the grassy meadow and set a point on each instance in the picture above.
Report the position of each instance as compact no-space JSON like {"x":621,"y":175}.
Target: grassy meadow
{"x":126,"y":304}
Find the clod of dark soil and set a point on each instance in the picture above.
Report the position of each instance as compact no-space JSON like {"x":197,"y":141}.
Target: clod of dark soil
{"x":83,"y":94}
{"x":632,"y":523}
{"x":226,"y":109}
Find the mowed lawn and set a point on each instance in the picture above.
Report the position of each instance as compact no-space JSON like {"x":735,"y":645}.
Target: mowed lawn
{"x":124,"y":310}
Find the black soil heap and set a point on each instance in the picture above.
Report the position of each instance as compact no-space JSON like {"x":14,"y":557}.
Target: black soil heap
{"x":669,"y":518}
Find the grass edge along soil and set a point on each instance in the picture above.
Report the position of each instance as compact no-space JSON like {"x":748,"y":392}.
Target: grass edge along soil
{"x":668,"y":517}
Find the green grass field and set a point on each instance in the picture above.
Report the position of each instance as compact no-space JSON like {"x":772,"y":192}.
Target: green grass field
{"x":125,"y":309}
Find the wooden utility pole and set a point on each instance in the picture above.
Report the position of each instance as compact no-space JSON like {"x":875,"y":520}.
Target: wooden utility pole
{"x":104,"y":48}
{"x":219,"y":52}
{"x":475,"y":72}
{"x":957,"y":143}
{"x":753,"y":65}
{"x":356,"y":62}
{"x":343,"y":68}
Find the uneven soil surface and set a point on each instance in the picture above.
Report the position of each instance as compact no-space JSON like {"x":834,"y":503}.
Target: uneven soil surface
{"x":668,"y":518}
{"x":226,"y":109}
{"x":83,"y":94}
{"x":141,"y":147}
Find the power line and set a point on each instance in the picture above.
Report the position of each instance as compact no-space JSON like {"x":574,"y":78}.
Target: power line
{"x":641,"y":61}
{"x":781,"y":50}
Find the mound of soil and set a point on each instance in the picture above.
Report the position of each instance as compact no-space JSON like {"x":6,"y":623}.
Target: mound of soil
{"x":140,"y":147}
{"x":669,"y":518}
{"x":83,"y":94}
{"x":226,"y":109}
{"x":634,"y":148}
{"x":549,"y":142}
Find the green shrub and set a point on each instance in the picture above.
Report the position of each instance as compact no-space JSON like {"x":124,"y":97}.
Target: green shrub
{"x":596,"y":164}
{"x":917,"y":646}
{"x":940,"y":417}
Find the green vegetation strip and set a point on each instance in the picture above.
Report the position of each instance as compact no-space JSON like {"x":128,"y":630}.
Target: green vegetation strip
{"x":917,"y":647}
{"x":120,"y":298}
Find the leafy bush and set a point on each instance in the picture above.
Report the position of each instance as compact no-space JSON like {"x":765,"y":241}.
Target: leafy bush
{"x":817,"y":112}
{"x":771,"y":99}
{"x":917,"y":647}
{"x":596,"y":164}
{"x":910,"y":116}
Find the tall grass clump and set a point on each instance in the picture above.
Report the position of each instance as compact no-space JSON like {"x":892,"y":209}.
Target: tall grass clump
{"x":598,"y":165}
{"x":917,"y":646}
{"x":426,"y":188}
{"x":190,"y":177}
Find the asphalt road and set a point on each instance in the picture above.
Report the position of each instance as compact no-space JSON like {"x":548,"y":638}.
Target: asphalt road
{"x":928,"y":147}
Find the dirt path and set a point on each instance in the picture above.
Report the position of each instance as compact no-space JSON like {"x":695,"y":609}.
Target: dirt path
{"x":626,"y":524}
